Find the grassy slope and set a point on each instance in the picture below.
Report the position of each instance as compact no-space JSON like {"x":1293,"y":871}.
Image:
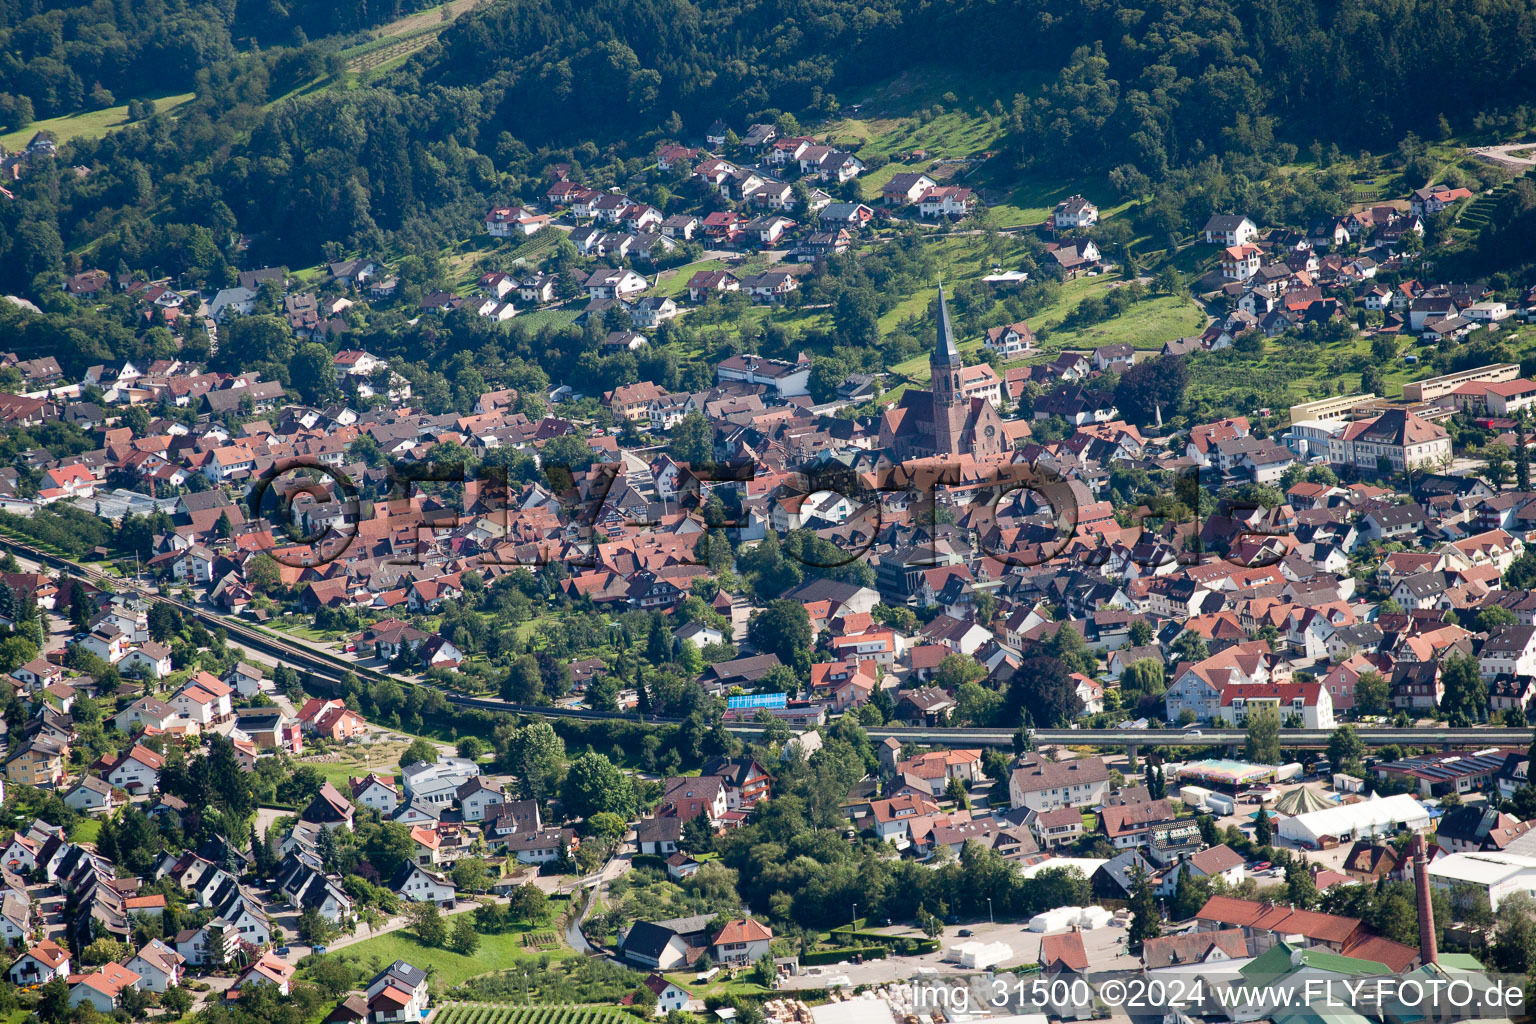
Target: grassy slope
{"x":1146,"y":325}
{"x":496,"y":952}
{"x":89,"y":124}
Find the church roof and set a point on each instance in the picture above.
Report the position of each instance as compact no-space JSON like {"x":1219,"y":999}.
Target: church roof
{"x":945,"y":351}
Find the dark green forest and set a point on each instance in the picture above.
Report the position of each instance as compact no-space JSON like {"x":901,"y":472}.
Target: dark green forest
{"x":62,"y":57}
{"x":1187,"y":104}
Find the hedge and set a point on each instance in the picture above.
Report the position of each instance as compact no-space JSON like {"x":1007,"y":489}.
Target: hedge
{"x":905,"y":945}
{"x":834,"y":956}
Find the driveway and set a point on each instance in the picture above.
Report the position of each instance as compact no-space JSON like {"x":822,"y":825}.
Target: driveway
{"x":298,"y":951}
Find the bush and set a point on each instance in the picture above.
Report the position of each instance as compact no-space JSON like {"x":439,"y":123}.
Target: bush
{"x":834,"y":956}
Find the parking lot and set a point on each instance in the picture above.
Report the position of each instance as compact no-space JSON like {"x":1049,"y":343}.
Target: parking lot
{"x":1105,"y":947}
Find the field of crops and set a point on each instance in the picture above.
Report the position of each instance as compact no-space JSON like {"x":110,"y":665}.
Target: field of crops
{"x":476,"y":1013}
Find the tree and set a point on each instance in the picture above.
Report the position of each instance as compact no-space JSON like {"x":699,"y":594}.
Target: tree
{"x":1144,"y":678}
{"x":164,"y":621}
{"x":1263,"y":743}
{"x":419,"y":750}
{"x":692,"y":440}
{"x":1151,"y":388}
{"x":956,"y":794}
{"x":698,"y":834}
{"x":464,"y":940}
{"x":53,"y":1001}
{"x":1043,"y":688}
{"x":658,"y":642}
{"x":1300,"y":886}
{"x":314,"y":374}
{"x":1345,"y":747}
{"x":263,"y":574}
{"x":428,"y":923}
{"x":1189,"y":895}
{"x":1189,"y":646}
{"x":1373,"y":694}
{"x":177,"y":1000}
{"x":313,"y":928}
{"x":1146,"y":921}
{"x":1261,"y":830}
{"x":997,"y":767}
{"x":523,"y":683}
{"x":1497,"y":458}
{"x":642,"y":695}
{"x":1466,"y":694}
{"x":104,"y":951}
{"x":303,"y":784}
{"x":956,"y":670}
{"x":536,"y":755}
{"x":528,"y":903}
{"x":594,"y":784}
{"x":1068,"y":646}
{"x":470,"y":874}
{"x":783,"y":628}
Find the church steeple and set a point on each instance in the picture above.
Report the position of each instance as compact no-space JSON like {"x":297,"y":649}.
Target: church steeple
{"x":945,"y":362}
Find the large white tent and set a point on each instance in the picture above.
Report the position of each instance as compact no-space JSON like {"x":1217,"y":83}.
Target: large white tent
{"x":1376,"y":817}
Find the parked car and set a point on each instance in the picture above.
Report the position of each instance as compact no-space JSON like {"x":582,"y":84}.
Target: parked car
{"x":965,"y":933}
{"x":281,"y":951}
{"x":318,"y":950}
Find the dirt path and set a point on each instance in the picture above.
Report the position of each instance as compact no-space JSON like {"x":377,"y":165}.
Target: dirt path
{"x":416,"y":31}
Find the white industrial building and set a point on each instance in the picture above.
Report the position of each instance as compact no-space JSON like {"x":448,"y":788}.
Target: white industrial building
{"x":1497,"y":873}
{"x":1364,"y":820}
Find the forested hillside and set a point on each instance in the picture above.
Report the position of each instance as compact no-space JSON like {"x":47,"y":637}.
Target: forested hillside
{"x":57,"y":57}
{"x":1154,"y":84}
{"x":1185,"y":107}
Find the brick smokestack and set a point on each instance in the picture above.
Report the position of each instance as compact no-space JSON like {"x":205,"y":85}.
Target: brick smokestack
{"x":1427,"y":950}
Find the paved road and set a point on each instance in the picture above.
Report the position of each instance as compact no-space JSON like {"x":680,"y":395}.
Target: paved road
{"x":1503,"y":155}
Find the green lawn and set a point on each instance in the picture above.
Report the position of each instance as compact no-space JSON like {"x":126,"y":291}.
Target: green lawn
{"x":496,"y":952}
{"x":89,"y":124}
{"x":85,"y":831}
{"x":674,"y":282}
{"x":1146,"y":325}
{"x":557,"y":317}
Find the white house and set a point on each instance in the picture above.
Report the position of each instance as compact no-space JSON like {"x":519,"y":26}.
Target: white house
{"x":1042,"y":785}
{"x":1509,"y":651}
{"x":137,"y":771}
{"x":158,"y":966}
{"x":1310,"y":701}
{"x":1074,"y":213}
{"x":1230,"y":230}
{"x":103,"y":989}
{"x":152,"y":660}
{"x":477,"y":797}
{"x":377,"y":792}
{"x":668,"y":996}
{"x":397,"y":994}
{"x":421,"y":884}
{"x":742,"y":941}
{"x":40,"y":964}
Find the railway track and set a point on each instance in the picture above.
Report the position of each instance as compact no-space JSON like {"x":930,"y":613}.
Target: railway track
{"x":330,"y":668}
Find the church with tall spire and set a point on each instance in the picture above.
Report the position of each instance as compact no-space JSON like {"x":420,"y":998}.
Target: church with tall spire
{"x":942,"y":420}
